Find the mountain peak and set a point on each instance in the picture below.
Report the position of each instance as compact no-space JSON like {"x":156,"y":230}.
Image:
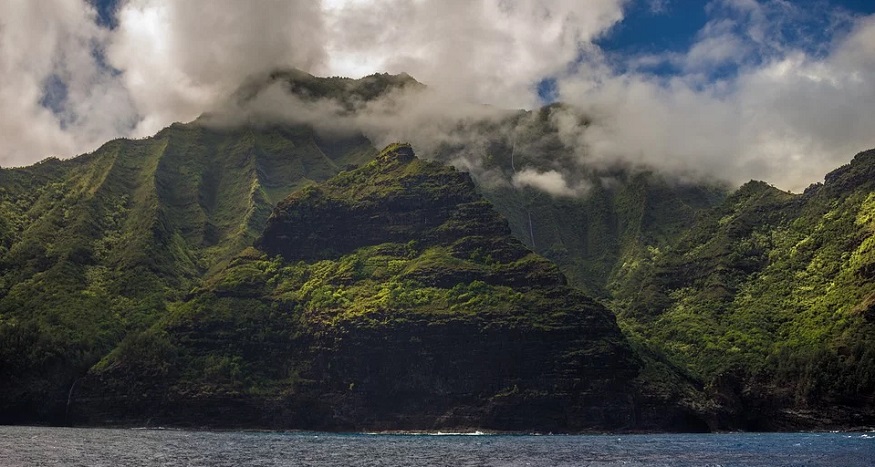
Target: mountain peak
{"x":395,"y":198}
{"x":308,"y":87}
{"x":758,"y":190}
{"x":391,"y":296}
{"x":402,"y":152}
{"x":860,"y":173}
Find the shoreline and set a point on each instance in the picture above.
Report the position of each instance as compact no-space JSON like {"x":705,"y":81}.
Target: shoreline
{"x":447,"y":433}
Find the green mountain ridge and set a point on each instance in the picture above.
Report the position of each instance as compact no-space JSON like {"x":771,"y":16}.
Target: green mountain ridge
{"x":625,"y":212}
{"x":94,"y":247}
{"x":769,"y":297}
{"x":340,"y":321}
{"x":349,"y":92}
{"x":762,"y":299}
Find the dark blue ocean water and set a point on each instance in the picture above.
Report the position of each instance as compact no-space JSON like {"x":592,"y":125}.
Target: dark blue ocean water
{"x":33,"y":446}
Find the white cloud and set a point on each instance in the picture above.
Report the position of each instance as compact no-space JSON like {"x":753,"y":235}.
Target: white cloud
{"x":174,"y":59}
{"x":487,"y":51}
{"x":550,"y":181}
{"x":713,"y":51}
{"x":788,"y":116}
{"x":790,"y":110}
{"x":55,"y":41}
{"x":180,"y":57}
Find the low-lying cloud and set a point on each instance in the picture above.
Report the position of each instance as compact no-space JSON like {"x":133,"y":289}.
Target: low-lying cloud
{"x":787,"y":110}
{"x":550,"y":181}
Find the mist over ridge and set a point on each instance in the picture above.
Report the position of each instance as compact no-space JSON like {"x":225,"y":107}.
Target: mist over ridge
{"x":745,"y":98}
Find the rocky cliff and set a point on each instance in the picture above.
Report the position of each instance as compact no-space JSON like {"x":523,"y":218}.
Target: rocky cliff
{"x":390,"y":297}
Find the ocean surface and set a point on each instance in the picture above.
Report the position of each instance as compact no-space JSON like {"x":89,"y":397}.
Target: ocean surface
{"x":38,"y":446}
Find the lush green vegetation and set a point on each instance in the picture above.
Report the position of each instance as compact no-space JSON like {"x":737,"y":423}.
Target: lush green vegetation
{"x":350,"y":94}
{"x":256,"y":326}
{"x":598,"y":237}
{"x":140,"y":256}
{"x":94,"y":248}
{"x":763,"y":292}
{"x":771,"y":290}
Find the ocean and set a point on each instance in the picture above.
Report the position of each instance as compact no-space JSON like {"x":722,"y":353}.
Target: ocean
{"x":41,"y":446}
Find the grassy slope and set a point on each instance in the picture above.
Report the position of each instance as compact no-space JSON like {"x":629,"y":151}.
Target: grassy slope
{"x":770,"y":296}
{"x":597,"y":239}
{"x":92,"y":248}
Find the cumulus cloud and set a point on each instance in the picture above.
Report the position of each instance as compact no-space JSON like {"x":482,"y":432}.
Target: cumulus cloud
{"x":490,"y":51}
{"x":56,"y":97}
{"x":788,"y":116}
{"x":181,"y":57}
{"x":170,"y":60}
{"x":754,"y":96}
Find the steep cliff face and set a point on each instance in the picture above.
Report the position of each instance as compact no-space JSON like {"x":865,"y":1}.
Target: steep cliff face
{"x":768,"y":299}
{"x":131,"y":256}
{"x":396,"y":200}
{"x":608,"y":215}
{"x":390,"y":297}
{"x":93,"y":248}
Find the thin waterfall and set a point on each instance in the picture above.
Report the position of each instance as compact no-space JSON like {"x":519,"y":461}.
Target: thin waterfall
{"x":70,"y":398}
{"x":528,"y":213}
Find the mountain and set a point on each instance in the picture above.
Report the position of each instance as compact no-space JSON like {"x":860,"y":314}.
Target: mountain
{"x":94,"y":248}
{"x":99,"y":247}
{"x":391,"y":296}
{"x":618,"y":213}
{"x":348,"y":92}
{"x":770,"y":300}
{"x":177,"y":265}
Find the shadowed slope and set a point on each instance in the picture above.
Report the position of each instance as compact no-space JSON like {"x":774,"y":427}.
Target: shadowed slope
{"x":91,"y":248}
{"x":389,"y":297}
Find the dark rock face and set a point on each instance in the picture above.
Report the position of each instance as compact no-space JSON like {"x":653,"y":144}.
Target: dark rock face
{"x":396,"y":299}
{"x":458,"y":375}
{"x":467,"y":373}
{"x":417,"y":376}
{"x":461,"y":374}
{"x":396,"y":206}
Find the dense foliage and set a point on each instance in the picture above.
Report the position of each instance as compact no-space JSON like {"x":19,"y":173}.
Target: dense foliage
{"x":388,"y":285}
{"x":619,"y":214}
{"x":184,"y":256}
{"x":769,"y":298}
{"x":92,"y":249}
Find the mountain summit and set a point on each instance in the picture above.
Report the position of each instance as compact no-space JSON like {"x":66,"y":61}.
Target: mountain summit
{"x":308,"y":87}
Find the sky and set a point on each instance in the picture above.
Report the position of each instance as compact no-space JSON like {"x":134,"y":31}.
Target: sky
{"x":738,"y":89}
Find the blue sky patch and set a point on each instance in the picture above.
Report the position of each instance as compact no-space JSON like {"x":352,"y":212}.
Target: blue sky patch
{"x":653,"y":27}
{"x":54,"y":95}
{"x":106,"y":12}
